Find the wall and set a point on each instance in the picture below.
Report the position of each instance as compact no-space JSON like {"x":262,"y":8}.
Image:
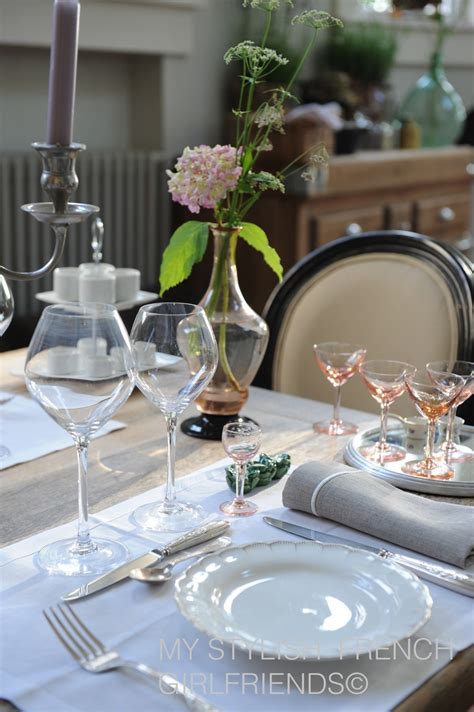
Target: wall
{"x":155,"y":99}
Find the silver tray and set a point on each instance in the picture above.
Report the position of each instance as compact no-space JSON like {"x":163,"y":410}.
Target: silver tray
{"x":461,"y":485}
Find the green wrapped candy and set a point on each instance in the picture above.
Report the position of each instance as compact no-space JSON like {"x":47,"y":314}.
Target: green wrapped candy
{"x":260,"y":472}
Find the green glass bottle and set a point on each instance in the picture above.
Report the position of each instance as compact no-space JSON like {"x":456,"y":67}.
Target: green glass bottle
{"x":435,"y":106}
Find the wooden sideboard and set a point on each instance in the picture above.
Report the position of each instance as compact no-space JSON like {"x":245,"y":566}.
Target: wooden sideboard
{"x":428,"y":191}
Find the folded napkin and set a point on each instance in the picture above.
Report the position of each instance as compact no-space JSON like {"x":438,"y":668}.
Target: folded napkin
{"x":371,"y":505}
{"x":28,"y":432}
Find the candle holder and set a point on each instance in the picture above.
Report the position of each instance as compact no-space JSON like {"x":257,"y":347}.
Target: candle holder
{"x":59,"y":181}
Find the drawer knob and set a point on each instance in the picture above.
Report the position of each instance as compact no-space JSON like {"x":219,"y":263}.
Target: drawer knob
{"x":353,"y":229}
{"x":447,"y":214}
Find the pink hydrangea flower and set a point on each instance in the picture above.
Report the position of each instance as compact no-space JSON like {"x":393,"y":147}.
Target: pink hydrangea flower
{"x":204,"y":175}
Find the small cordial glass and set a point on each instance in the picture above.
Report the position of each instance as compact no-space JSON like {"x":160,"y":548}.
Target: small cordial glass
{"x":338,"y":361}
{"x":241,"y":440}
{"x":438,"y":371}
{"x":432,"y":400}
{"x":385,"y":381}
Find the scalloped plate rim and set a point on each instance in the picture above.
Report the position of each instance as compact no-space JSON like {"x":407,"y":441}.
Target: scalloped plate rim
{"x":268,"y":647}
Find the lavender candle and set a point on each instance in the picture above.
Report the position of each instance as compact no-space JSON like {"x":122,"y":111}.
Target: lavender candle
{"x":62,"y":71}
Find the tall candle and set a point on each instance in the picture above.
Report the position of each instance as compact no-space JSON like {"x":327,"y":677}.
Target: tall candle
{"x":62,"y":71}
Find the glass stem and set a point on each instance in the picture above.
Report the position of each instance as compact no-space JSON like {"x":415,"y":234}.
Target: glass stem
{"x":170,"y":495}
{"x":337,"y":404}
{"x":84,"y":543}
{"x":383,"y":425}
{"x":450,"y":429}
{"x":430,"y":440}
{"x":240,"y":472}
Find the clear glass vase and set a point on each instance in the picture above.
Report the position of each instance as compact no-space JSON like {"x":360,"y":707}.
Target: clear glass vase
{"x":436,"y":106}
{"x":242,"y":337}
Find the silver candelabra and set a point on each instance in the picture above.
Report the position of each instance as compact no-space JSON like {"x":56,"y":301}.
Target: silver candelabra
{"x":59,"y":181}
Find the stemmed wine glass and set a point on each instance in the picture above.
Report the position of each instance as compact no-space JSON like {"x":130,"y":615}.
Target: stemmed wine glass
{"x":432,"y":400}
{"x":81,"y":392}
{"x":6,"y":305}
{"x":182,"y":358}
{"x":338,"y":362}
{"x":465,"y":369}
{"x":241,"y":440}
{"x":386,"y":382}
{"x":6,"y":315}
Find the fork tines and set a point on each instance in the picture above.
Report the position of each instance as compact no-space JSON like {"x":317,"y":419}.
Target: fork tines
{"x":72,"y":632}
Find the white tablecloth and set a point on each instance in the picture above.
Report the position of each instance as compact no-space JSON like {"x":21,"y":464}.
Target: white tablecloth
{"x":142,"y":621}
{"x":28,"y":432}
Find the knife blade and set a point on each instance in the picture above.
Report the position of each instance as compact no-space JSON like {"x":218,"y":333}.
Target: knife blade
{"x":187,"y":540}
{"x":442,"y":575}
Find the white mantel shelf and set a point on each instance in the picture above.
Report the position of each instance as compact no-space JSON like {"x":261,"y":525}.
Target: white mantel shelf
{"x":132,"y":26}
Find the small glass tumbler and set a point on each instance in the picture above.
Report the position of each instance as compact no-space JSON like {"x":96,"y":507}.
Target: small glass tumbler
{"x":241,"y":441}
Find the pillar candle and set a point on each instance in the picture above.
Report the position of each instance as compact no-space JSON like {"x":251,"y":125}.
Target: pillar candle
{"x":62,"y":71}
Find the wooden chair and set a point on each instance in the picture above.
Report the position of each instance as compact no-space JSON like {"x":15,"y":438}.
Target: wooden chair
{"x":401,"y":295}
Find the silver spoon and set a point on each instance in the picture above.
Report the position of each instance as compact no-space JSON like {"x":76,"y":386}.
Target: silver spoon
{"x":160,"y":574}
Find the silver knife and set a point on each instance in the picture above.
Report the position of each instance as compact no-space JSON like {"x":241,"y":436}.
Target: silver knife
{"x":189,"y":539}
{"x":442,"y":575}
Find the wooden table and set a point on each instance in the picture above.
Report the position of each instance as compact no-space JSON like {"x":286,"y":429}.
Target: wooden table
{"x":41,"y":494}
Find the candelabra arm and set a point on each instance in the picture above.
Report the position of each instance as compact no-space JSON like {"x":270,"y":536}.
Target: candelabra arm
{"x":59,"y":180}
{"x":60,"y":232}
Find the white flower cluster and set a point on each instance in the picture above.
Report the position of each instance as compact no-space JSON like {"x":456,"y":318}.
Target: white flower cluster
{"x":268,"y":115}
{"x":257,"y":58}
{"x":317,"y":19}
{"x":268,"y":5}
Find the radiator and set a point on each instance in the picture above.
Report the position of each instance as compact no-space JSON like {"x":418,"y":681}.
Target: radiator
{"x":129,"y":187}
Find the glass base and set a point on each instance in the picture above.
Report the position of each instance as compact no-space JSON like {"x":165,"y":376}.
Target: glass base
{"x":210,"y":427}
{"x":165,"y":517}
{"x":238,"y":508}
{"x":455,"y":453}
{"x":434,"y":469}
{"x":335,"y":427}
{"x":387,"y":453}
{"x":4,"y":451}
{"x":64,"y":557}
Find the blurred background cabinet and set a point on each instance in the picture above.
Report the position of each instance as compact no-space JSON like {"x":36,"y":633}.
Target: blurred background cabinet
{"x":428,"y":191}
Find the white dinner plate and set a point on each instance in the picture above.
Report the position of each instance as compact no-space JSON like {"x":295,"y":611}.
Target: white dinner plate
{"x":302,"y":600}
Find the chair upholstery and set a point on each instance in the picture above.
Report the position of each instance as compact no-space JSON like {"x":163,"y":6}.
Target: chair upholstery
{"x":403,"y":296}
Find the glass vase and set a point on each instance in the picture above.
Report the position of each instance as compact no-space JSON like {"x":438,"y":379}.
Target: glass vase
{"x":435,"y":106}
{"x":241,"y":335}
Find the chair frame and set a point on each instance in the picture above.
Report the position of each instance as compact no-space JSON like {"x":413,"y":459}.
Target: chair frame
{"x":456,"y":268}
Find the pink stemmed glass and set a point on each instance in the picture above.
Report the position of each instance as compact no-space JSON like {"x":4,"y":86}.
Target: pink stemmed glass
{"x":386,"y":382}
{"x":439,"y":370}
{"x":432,"y":400}
{"x":241,"y":441}
{"x":338,"y":362}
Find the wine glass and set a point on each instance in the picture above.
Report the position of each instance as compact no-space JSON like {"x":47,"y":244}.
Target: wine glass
{"x":81,"y":390}
{"x":6,"y":315}
{"x":432,"y":400}
{"x":386,"y":382}
{"x":176,"y":356}
{"x":6,"y":305}
{"x":241,"y":440}
{"x":338,"y":362}
{"x":465,"y":369}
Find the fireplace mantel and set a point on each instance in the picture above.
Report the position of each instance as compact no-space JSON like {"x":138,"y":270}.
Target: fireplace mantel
{"x":163,"y":27}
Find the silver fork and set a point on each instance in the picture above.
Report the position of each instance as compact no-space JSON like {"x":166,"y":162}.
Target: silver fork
{"x":93,"y":656}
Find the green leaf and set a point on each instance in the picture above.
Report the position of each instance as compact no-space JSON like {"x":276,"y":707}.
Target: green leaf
{"x":256,"y":238}
{"x":186,"y":247}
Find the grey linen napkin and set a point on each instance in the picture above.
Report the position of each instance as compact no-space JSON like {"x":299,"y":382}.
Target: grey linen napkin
{"x":371,"y":505}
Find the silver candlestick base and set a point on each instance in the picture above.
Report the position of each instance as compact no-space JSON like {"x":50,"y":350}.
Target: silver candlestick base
{"x":59,"y":180}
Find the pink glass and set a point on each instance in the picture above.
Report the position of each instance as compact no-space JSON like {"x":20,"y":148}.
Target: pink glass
{"x":241,"y":440}
{"x":386,"y":382}
{"x":449,"y":450}
{"x":432,"y":400}
{"x":338,"y":362}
